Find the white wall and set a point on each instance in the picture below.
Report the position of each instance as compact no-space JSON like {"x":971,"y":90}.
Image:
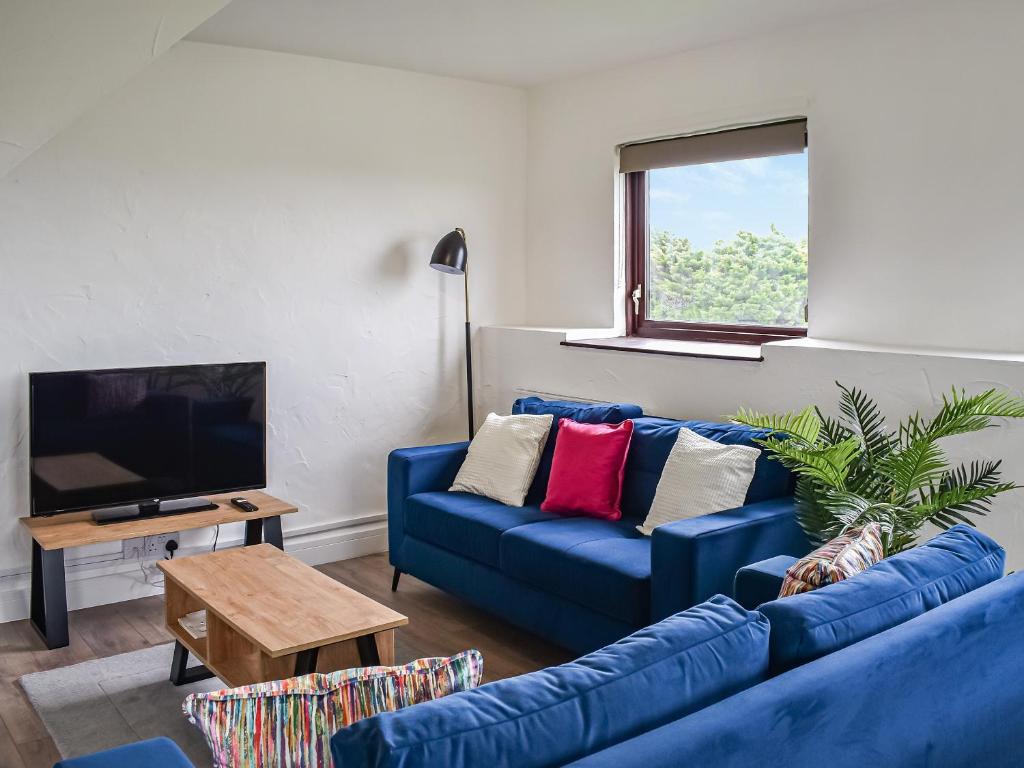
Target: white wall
{"x":915,"y":160}
{"x":231,"y":204}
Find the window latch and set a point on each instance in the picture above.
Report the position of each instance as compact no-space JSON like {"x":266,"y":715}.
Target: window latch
{"x":637,"y":293}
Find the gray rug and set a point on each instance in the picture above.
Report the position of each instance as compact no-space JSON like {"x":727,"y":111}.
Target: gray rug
{"x":108,"y":702}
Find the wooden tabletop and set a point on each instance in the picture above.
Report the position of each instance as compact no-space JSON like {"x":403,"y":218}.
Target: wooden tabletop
{"x":278,"y":603}
{"x":77,"y":529}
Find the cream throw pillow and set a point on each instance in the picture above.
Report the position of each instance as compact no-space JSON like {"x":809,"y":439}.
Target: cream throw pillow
{"x":503,"y":457}
{"x":701,"y":476}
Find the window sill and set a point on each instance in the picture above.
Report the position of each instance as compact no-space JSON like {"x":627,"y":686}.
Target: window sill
{"x":750,"y":353}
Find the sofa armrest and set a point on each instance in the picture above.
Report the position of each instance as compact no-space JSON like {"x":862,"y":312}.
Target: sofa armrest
{"x":761,"y":582}
{"x":154,"y":753}
{"x":418,"y":470}
{"x":693,"y":559}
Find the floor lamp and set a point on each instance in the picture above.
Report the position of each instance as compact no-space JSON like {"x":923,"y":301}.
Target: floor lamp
{"x":450,"y":256}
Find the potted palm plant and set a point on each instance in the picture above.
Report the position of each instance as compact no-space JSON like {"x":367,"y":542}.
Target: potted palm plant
{"x":854,"y":470}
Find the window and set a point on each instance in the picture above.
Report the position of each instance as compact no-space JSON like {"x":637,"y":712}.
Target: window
{"x":716,"y":235}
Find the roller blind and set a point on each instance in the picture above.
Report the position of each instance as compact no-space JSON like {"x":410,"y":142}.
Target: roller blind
{"x":783,"y":138}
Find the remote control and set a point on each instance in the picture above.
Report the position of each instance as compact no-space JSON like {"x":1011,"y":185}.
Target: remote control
{"x":244,"y":504}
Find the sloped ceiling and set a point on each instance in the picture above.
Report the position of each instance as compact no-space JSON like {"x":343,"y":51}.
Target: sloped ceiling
{"x":59,"y":57}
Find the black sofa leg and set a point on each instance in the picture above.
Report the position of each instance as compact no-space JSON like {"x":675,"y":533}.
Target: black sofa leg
{"x":394,"y":580}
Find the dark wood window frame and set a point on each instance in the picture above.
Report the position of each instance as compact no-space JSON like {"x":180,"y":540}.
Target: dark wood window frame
{"x":637,"y":324}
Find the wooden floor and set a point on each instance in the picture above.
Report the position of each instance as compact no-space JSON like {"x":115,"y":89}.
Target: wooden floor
{"x":439,"y":625}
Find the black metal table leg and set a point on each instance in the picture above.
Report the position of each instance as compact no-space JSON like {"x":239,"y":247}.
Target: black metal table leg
{"x":253,"y":532}
{"x":49,"y":602}
{"x":181,"y":672}
{"x":305,"y":662}
{"x":368,"y":654}
{"x":272,"y":532}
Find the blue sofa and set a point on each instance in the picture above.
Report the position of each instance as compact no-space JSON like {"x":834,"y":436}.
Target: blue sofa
{"x":580,"y":582}
{"x":151,"y":753}
{"x":915,"y":662}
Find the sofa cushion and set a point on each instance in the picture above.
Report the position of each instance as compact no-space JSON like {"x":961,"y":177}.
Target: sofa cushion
{"x":601,"y":564}
{"x":587,"y":469}
{"x":700,"y":477}
{"x":813,"y":624}
{"x":653,"y":439}
{"x":842,"y":557}
{"x":502,"y":457}
{"x":585,"y":413}
{"x":557,"y":715}
{"x":464,"y":523}
{"x":152,"y":753}
{"x":290,"y":722}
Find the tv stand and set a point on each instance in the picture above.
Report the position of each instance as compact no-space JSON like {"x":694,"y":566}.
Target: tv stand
{"x":52,"y":535}
{"x":154,"y":508}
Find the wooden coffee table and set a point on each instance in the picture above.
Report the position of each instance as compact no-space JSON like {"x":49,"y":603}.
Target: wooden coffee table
{"x":269,"y":617}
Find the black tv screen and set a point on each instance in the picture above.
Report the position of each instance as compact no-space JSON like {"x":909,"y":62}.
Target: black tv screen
{"x":115,"y":437}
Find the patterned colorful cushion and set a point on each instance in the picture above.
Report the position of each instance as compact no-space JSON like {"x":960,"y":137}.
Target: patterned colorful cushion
{"x":289,"y":723}
{"x":838,"y":559}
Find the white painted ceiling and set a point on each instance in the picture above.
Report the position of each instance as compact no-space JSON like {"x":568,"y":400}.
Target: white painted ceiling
{"x":516,"y":42}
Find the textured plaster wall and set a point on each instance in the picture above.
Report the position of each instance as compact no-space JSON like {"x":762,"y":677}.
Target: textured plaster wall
{"x":915,"y":168}
{"x":231,"y":204}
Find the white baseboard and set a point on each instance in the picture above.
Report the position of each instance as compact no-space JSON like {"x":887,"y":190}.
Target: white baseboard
{"x":114,"y":580}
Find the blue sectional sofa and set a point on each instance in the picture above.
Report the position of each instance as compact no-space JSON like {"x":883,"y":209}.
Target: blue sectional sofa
{"x":914,"y":663}
{"x":580,"y":582}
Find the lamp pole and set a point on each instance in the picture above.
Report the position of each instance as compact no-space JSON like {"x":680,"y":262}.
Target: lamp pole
{"x":451,"y":257}
{"x":469,"y":345}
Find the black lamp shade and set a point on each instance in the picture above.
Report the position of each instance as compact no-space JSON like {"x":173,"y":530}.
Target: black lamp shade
{"x":450,"y":254}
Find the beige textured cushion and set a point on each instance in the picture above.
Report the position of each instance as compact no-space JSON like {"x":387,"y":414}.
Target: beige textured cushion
{"x":701,"y":476}
{"x":503,"y":457}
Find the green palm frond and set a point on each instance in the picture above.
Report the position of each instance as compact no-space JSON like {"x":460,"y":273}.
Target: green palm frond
{"x":864,"y":417}
{"x":952,"y":506}
{"x":804,"y":425}
{"x":921,"y":463}
{"x":965,"y":490}
{"x":813,"y":516}
{"x":977,"y":473}
{"x":850,"y":510}
{"x":832,"y":430}
{"x":846,"y":509}
{"x":961,"y":413}
{"x":829,"y":464}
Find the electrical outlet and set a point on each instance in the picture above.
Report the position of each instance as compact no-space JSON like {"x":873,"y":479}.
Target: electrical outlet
{"x":148,"y":548}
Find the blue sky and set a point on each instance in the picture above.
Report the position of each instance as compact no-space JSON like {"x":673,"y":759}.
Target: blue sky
{"x":712,"y":202}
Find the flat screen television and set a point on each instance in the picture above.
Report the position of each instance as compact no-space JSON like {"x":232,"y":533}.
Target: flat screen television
{"x":146,"y":441}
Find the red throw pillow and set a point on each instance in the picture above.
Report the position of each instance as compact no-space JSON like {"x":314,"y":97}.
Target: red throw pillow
{"x":587,"y":469}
